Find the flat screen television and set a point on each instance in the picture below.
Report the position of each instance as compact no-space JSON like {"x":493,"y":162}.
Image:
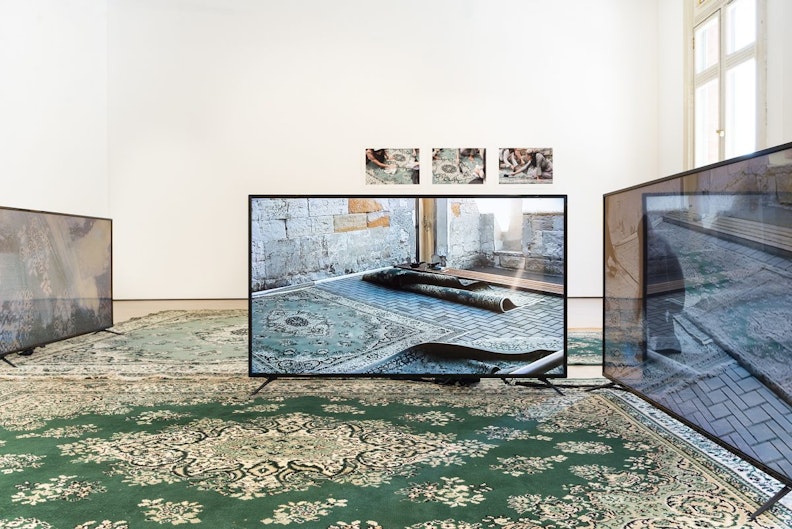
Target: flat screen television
{"x":55,"y":278}
{"x":697,"y":305}
{"x":407,"y":286}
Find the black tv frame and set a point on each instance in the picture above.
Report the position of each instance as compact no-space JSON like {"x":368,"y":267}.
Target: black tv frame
{"x":619,"y":382}
{"x":27,"y":348}
{"x":269,"y":376}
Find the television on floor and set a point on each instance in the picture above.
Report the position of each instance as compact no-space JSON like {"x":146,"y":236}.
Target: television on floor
{"x":697,"y":305}
{"x":456,"y":287}
{"x":55,"y":278}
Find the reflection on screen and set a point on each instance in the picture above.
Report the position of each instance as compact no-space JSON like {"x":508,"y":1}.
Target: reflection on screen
{"x":698,"y":316}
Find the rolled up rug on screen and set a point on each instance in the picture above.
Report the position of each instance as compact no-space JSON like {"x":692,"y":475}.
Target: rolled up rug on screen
{"x":446,"y":287}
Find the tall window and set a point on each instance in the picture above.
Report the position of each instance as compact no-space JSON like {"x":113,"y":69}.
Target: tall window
{"x":727,"y":79}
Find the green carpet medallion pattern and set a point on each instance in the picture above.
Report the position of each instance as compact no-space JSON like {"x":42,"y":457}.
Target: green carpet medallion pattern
{"x":359,"y":453}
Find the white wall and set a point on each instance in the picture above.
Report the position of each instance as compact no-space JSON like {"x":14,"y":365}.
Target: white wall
{"x":53,"y":106}
{"x":671,"y":87}
{"x":210,"y":100}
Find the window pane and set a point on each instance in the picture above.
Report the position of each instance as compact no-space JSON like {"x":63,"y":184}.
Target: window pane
{"x":740,"y":25}
{"x":706,"y":125}
{"x":706,"y":39}
{"x":741,"y":109}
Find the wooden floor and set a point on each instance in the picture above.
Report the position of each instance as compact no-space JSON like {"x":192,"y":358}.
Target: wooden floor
{"x":501,"y":279}
{"x":124,"y":310}
{"x":508,"y":281}
{"x":764,"y":235}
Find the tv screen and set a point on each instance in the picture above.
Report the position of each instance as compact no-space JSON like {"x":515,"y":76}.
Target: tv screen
{"x":55,"y":277}
{"x":413,"y":286}
{"x":697,"y":305}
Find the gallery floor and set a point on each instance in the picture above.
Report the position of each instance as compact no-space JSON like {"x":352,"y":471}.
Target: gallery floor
{"x":583,"y":313}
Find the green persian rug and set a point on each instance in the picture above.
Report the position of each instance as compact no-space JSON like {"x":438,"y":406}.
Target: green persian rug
{"x":186,"y":343}
{"x":358,"y":453}
{"x":171,"y":343}
{"x":584,"y":347}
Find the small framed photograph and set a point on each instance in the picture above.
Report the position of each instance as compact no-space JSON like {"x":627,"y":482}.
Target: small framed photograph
{"x":459,"y":166}
{"x":392,"y":166}
{"x":525,"y":166}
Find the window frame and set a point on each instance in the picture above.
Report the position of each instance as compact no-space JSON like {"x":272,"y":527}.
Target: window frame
{"x":696,"y":14}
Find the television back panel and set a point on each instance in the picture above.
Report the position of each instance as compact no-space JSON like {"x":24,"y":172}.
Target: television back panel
{"x":55,"y":277}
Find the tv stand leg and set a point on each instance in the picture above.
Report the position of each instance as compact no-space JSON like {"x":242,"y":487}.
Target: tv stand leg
{"x":545,"y":383}
{"x":551,"y":385}
{"x":269,"y":379}
{"x":4,"y":357}
{"x":111,"y":332}
{"x":7,"y":361}
{"x":604,"y":386}
{"x":772,"y":501}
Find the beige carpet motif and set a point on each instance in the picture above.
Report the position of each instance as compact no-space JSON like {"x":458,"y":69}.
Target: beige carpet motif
{"x":357,"y":453}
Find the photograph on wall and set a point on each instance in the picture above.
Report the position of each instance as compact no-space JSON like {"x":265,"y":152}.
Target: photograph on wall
{"x":407,"y":286}
{"x":55,"y":277}
{"x":458,"y":166}
{"x":392,"y":166}
{"x":525,"y":166}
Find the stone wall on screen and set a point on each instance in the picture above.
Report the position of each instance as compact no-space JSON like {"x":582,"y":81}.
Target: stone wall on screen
{"x":300,"y":240}
{"x":471,"y":235}
{"x":543,"y":236}
{"x":475,"y":240}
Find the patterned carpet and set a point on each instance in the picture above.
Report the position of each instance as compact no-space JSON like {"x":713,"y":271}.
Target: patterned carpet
{"x":170,"y":343}
{"x":119,"y":431}
{"x":318,"y":332}
{"x":358,"y":454}
{"x":186,"y":343}
{"x":584,"y":347}
{"x":313,"y":331}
